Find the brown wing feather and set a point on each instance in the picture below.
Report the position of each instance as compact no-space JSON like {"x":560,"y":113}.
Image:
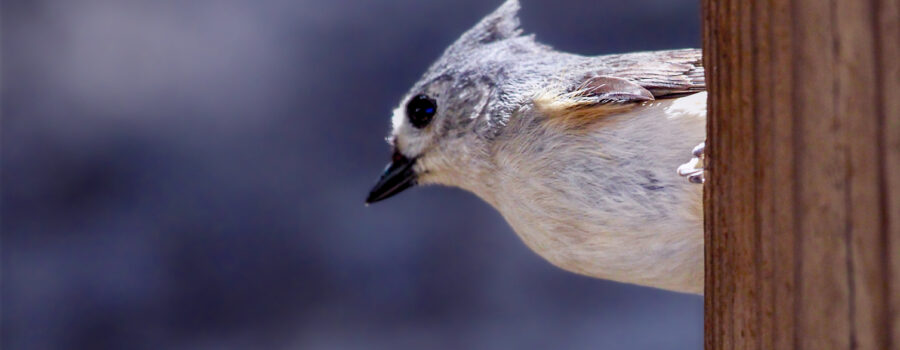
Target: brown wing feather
{"x":621,"y":82}
{"x":663,"y":73}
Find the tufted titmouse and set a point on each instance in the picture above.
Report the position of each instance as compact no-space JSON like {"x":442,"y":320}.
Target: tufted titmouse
{"x":582,"y":155}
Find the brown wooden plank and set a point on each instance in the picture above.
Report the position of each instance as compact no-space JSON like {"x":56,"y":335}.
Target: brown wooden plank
{"x":803,"y":189}
{"x":886,"y":26}
{"x":711,"y":324}
{"x":762,"y":80}
{"x":782,"y":170}
{"x":710,"y":44}
{"x":823,"y":319}
{"x":856,"y":99}
{"x":744,"y":169}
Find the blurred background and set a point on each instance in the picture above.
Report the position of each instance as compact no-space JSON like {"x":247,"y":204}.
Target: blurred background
{"x":191,"y":175}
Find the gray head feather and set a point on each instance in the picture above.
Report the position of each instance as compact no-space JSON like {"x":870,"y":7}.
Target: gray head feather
{"x":482,"y":75}
{"x":501,"y":24}
{"x":480,"y":80}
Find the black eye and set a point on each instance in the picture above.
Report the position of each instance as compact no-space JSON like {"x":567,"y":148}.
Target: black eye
{"x":420,"y":110}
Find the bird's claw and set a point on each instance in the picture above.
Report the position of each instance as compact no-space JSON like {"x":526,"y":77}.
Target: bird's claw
{"x":693,"y":169}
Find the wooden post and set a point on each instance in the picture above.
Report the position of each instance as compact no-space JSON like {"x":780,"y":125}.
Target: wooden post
{"x":803,"y":189}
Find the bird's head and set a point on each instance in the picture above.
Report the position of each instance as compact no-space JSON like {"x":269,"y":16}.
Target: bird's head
{"x":442,"y":127}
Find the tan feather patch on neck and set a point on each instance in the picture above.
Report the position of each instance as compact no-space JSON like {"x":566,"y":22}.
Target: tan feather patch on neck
{"x":572,"y":110}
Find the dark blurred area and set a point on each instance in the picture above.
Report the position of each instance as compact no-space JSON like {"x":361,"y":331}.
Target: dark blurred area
{"x":191,"y":175}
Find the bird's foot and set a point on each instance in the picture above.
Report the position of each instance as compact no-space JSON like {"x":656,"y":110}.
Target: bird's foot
{"x":693,"y":169}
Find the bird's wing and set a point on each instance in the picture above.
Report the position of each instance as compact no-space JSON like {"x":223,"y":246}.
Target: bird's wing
{"x":663,"y":73}
{"x":618,"y":83}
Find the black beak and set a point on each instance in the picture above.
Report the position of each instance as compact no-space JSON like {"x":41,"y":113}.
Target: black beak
{"x":398,"y":176}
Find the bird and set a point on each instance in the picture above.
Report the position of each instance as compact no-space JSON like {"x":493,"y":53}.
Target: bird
{"x":596,"y":162}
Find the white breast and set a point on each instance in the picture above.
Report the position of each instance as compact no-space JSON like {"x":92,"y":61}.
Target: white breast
{"x":606,"y":202}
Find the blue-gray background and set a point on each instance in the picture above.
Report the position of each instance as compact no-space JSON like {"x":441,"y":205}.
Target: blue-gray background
{"x":190,"y":175}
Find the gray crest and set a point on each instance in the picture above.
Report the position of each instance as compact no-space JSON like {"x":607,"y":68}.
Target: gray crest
{"x":501,"y":24}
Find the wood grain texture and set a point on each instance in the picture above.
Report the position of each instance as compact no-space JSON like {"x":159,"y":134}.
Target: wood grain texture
{"x":803,"y":186}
